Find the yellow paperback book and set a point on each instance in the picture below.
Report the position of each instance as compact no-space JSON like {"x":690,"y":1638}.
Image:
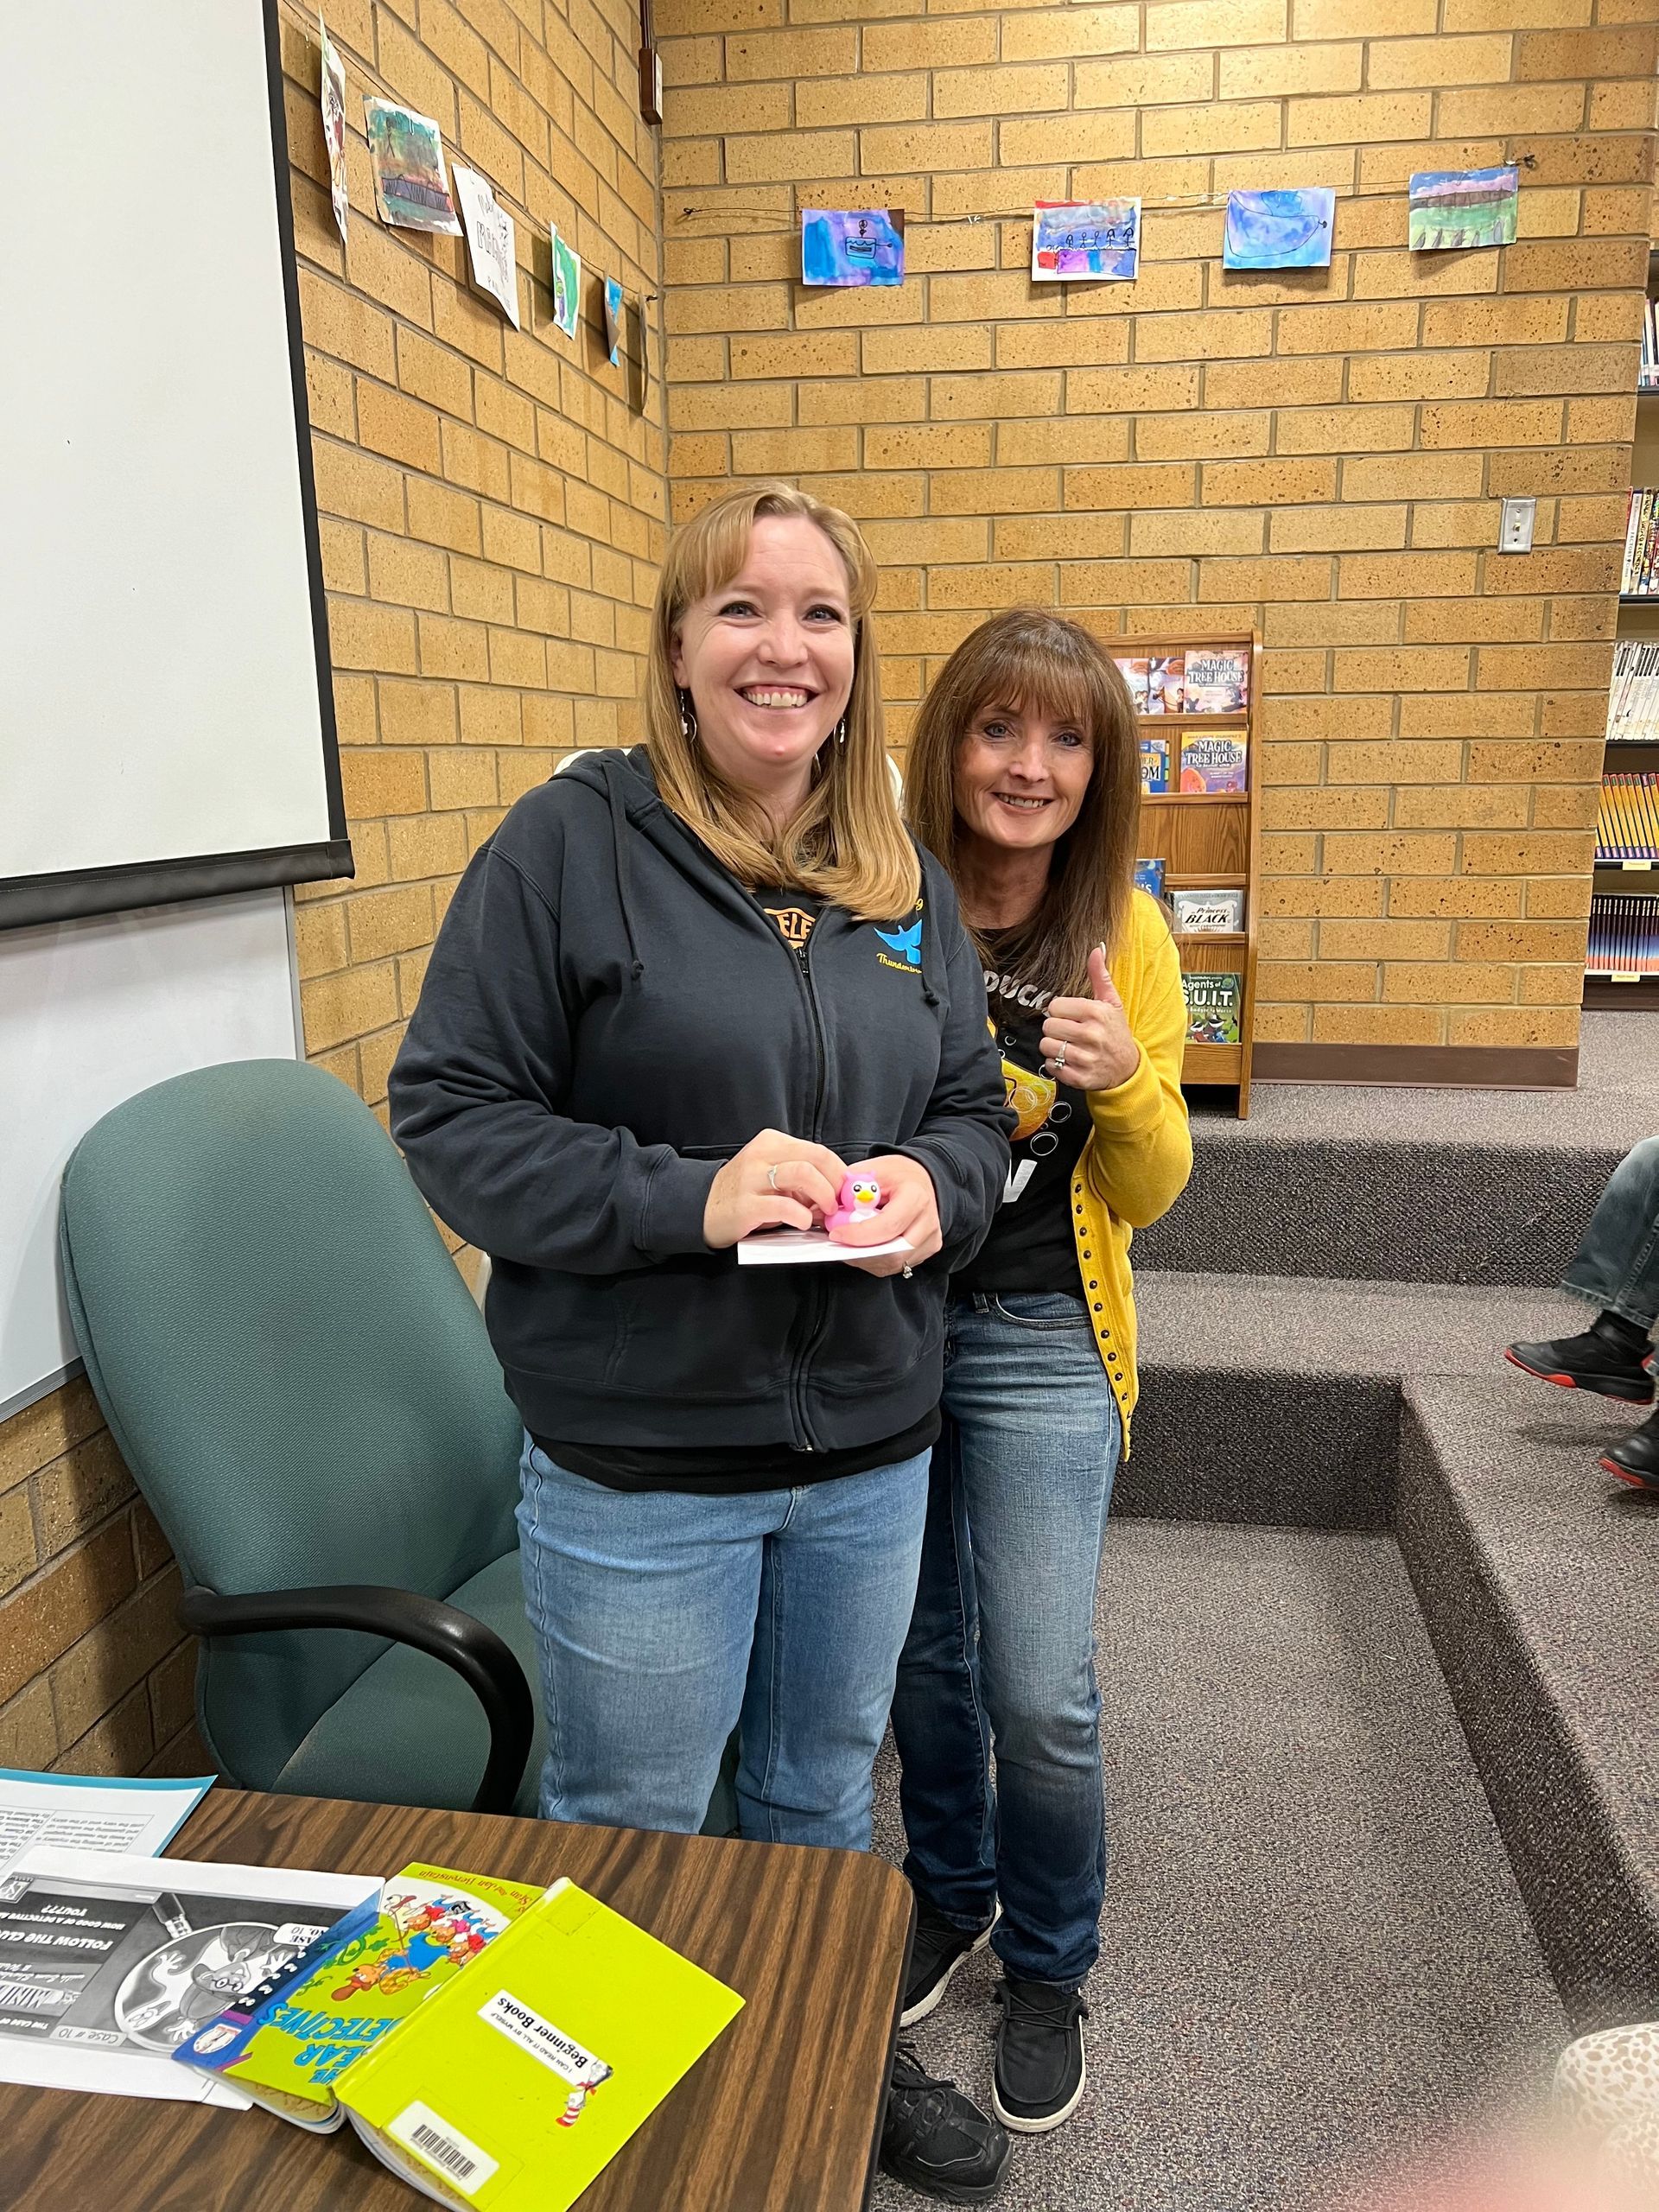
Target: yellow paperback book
{"x":519,"y":2081}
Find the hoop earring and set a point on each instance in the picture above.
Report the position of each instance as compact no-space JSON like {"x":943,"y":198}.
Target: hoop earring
{"x":688,"y":718}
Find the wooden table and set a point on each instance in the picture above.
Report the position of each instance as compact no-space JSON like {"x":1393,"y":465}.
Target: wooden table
{"x":781,"y":2115}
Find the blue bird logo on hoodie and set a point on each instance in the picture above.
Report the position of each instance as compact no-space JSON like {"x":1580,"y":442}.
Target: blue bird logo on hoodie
{"x":909,"y":942}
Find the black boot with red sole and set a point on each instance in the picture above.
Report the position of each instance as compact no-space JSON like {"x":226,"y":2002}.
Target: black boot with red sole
{"x":1607,"y":1358}
{"x":1636,"y":1461}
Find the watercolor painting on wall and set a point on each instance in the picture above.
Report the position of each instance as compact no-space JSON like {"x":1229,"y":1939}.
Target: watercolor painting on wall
{"x":406,"y":154}
{"x":1464,"y":207}
{"x":1279,"y":229}
{"x":852,"y":245}
{"x":1091,"y":241}
{"x":567,"y":286}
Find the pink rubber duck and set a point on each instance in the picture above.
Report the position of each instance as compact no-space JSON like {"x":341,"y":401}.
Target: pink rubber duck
{"x":861,"y":1199}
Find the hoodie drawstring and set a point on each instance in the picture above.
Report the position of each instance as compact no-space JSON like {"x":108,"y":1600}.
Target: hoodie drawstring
{"x":624,"y":884}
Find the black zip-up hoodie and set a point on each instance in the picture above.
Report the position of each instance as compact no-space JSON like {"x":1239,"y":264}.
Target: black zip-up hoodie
{"x":607,"y":1018}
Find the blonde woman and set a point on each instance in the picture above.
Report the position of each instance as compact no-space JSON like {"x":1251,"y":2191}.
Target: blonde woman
{"x":1023,"y":777}
{"x":681,"y":994}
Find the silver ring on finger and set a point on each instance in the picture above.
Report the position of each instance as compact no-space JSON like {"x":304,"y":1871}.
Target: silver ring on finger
{"x":772,"y":1175}
{"x":1059,"y":1054}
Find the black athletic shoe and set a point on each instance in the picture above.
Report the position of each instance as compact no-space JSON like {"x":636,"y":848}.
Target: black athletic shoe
{"x":1039,"y":2072}
{"x":1608,"y":1358}
{"x":1636,"y":1461}
{"x":939,"y":1950}
{"x":939,"y":2141}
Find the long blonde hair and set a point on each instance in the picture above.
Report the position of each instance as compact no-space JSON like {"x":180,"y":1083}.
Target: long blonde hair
{"x":1028,"y":659}
{"x":846,"y":841}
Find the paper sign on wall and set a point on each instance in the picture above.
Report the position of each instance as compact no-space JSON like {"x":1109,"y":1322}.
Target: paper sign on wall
{"x":489,"y":241}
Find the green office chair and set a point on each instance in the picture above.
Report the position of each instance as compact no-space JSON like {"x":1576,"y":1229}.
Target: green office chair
{"x":305,"y":1394}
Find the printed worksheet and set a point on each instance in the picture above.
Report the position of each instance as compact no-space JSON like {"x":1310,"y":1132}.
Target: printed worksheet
{"x":86,"y":1812}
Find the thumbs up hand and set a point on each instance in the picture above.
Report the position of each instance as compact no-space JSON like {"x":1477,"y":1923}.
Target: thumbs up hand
{"x":1087,"y":1043}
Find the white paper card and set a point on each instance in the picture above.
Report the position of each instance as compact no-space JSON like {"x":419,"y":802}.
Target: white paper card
{"x":797,"y":1247}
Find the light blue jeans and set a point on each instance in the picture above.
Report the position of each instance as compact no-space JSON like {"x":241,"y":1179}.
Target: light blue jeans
{"x":999,"y":1658}
{"x":664,"y":1619}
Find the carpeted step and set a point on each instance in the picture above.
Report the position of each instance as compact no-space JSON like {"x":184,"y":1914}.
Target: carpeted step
{"x":1539,"y":1578}
{"x":1408,"y":1185}
{"x":1277,"y":1399}
{"x":1314,"y":1957}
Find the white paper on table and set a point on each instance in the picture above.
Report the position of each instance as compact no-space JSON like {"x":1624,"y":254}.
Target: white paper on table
{"x":796,"y":1247}
{"x":489,"y":239}
{"x":82,"y":1812}
{"x":127,"y":1956}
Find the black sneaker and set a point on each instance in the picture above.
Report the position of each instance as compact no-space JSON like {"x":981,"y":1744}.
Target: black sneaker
{"x":1039,"y":2072}
{"x":937,"y":2141}
{"x":939,"y":1950}
{"x":1608,"y":1358}
{"x":1636,"y":1461}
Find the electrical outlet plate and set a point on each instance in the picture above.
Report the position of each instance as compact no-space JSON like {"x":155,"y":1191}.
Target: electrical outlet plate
{"x":1515,"y":533}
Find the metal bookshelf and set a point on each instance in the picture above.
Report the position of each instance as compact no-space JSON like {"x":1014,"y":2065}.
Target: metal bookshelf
{"x":1638,"y":619}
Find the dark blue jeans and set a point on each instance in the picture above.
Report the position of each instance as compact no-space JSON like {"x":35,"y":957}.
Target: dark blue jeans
{"x":1000,"y":1656}
{"x":1617,"y":1264}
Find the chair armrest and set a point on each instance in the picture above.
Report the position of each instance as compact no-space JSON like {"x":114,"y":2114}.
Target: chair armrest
{"x":477,"y":1654}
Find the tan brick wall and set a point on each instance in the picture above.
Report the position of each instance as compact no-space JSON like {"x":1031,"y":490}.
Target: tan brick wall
{"x":1319,"y":454}
{"x":492,"y":510}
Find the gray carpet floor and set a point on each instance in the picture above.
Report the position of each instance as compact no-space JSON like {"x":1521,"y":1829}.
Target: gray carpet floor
{"x":1613,"y":1104}
{"x":1315,"y":1958}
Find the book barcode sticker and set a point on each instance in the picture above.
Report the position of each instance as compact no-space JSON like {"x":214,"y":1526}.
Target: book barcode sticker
{"x":442,"y":2147}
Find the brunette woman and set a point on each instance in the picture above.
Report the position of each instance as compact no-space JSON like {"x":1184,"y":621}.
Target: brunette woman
{"x":1023,"y":777}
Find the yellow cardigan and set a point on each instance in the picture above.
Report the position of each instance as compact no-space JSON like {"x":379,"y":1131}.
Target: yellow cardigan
{"x":1139,"y":1152}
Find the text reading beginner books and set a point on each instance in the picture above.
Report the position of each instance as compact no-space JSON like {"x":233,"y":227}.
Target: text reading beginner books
{"x":1212,"y":1007}
{"x":522,"y":2078}
{"x":288,"y":2041}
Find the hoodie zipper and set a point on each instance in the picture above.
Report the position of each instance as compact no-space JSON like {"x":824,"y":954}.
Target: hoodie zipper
{"x":799,"y":958}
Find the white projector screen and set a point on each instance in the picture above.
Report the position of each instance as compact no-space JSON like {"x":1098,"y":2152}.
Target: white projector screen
{"x":166,"y":715}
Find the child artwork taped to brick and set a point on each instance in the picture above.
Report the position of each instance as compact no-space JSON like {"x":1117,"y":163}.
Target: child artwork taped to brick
{"x":1279,"y":229}
{"x":613,"y":312}
{"x":1090,"y":241}
{"x":332,"y":95}
{"x":489,"y":241}
{"x":1463,"y":207}
{"x":406,"y":154}
{"x":567,"y":285}
{"x":852,"y":245}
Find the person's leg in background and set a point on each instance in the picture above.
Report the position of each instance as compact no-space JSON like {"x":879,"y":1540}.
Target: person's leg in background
{"x":1615,"y":1268}
{"x":644,"y":1609}
{"x":944,"y":1739}
{"x":837,"y":1585}
{"x":1035,"y":1448}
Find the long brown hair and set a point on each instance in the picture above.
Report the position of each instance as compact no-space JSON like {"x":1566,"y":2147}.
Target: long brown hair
{"x":1027,"y":659}
{"x":846,"y":840}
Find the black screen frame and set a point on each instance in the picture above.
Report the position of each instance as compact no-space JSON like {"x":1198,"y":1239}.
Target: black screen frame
{"x":69,"y":894}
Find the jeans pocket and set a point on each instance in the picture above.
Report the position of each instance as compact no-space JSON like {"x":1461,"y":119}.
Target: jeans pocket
{"x":1040,"y":1309}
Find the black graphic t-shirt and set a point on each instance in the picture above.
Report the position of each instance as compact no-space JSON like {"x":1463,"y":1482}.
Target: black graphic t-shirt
{"x":1031,"y":1245}
{"x":712,"y":1470}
